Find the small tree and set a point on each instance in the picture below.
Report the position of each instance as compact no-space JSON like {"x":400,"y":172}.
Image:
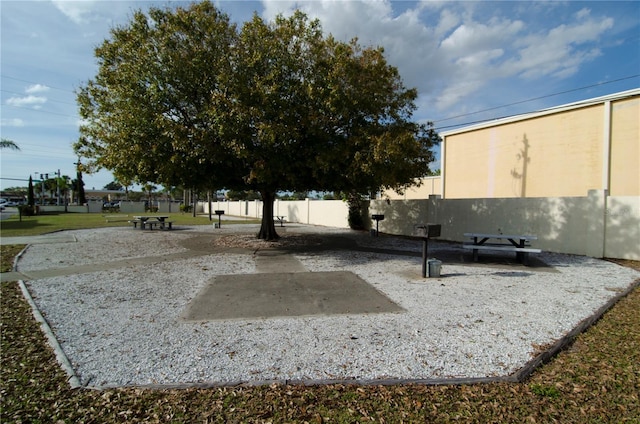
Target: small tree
{"x":30,"y":194}
{"x":50,"y":185}
{"x":78,"y":184}
{"x":64,"y":182}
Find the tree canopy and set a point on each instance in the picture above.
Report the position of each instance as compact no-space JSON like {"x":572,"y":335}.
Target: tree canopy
{"x":185,"y":97}
{"x":114,"y":185}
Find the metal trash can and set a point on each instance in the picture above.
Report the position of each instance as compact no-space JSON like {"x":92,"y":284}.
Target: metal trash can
{"x":434,"y":267}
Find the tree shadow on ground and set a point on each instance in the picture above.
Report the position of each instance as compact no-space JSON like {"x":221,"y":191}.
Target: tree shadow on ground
{"x":365,"y":249}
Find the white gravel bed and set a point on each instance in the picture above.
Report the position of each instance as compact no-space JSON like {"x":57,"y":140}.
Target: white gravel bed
{"x":123,"y":326}
{"x":101,"y":245}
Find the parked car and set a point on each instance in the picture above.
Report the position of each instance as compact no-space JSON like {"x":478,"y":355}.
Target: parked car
{"x":111,"y":205}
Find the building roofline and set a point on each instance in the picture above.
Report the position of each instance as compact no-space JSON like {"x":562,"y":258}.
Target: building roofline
{"x":548,"y":111}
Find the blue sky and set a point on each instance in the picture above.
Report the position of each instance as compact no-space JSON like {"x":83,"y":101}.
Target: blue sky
{"x":502,"y":58}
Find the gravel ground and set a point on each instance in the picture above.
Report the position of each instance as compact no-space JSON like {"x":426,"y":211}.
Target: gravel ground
{"x":122,"y":326}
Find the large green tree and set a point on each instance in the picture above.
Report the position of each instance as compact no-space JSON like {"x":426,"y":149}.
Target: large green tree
{"x":184,"y":97}
{"x":153,"y":111}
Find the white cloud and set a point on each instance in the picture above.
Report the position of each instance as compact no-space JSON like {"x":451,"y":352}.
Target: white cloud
{"x":36,"y":88}
{"x":14,"y":122}
{"x":558,"y":52}
{"x":450,"y":51}
{"x":78,"y":11}
{"x":473,"y":37}
{"x":33,"y":101}
{"x":583,"y":13}
{"x":448,"y":21}
{"x":97,"y":12}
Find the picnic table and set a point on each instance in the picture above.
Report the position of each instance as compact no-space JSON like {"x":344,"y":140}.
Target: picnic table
{"x":521,"y":244}
{"x":151,"y":221}
{"x":280,"y":219}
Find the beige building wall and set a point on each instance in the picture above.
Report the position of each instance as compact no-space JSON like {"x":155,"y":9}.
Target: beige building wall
{"x":562,"y":152}
{"x":556,"y":155}
{"x":430,"y":186}
{"x":625,"y":148}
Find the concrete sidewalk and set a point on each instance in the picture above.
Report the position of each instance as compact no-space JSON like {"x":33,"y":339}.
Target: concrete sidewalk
{"x":58,"y":237}
{"x":40,"y":239}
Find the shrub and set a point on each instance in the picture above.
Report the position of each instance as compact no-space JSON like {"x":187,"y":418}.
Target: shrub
{"x":356,"y":212}
{"x":26,"y":210}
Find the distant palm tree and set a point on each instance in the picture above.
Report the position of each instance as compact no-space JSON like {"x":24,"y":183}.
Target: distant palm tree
{"x":8,"y":144}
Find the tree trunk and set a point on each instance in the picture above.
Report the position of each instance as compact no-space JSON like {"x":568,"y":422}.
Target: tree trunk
{"x":268,"y":228}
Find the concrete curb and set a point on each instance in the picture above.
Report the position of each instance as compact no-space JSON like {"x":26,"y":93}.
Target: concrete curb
{"x":523,"y":373}
{"x":74,"y":381}
{"x":18,"y":256}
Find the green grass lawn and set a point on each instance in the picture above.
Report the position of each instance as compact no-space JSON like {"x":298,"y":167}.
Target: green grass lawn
{"x":595,"y":380}
{"x":50,"y":222}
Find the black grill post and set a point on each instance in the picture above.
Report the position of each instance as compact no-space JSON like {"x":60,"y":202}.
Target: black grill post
{"x":219,"y":213}
{"x":427,"y":231}
{"x":377,"y":218}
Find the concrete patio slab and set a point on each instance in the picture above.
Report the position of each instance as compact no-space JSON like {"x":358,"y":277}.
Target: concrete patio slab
{"x":250,"y":296}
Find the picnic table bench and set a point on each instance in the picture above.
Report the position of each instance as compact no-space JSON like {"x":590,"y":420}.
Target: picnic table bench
{"x":115,"y":217}
{"x":147,"y":222}
{"x":521,"y":244}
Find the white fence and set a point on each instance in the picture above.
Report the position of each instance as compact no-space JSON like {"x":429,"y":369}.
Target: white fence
{"x":330,"y":213}
{"x":126,"y":206}
{"x":596,"y":225}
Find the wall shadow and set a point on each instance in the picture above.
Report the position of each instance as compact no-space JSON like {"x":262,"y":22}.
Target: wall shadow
{"x":595,"y":225}
{"x":519,"y":172}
